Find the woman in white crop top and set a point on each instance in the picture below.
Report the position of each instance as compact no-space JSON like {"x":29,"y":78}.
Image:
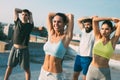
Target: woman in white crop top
{"x":60,"y":28}
{"x":99,"y":67}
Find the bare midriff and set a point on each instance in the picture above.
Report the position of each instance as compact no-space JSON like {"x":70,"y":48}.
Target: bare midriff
{"x":100,"y":62}
{"x":19,"y":46}
{"x":52,"y":64}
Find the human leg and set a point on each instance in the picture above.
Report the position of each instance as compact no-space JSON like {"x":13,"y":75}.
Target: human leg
{"x":12,"y":62}
{"x":76,"y":75}
{"x":24,"y":62}
{"x":104,"y":74}
{"x":95,"y":73}
{"x":77,"y":68}
{"x":85,"y":62}
{"x":27,"y":74}
{"x":91,"y":74}
{"x":8,"y":72}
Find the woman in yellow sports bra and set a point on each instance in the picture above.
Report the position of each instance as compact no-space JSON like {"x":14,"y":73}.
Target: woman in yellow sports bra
{"x":60,"y":32}
{"x":103,"y":48}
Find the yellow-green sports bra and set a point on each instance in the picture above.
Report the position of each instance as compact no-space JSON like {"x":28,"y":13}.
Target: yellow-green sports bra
{"x":103,"y":50}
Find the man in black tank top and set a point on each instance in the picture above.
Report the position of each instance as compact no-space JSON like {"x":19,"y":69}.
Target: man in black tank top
{"x":19,"y":53}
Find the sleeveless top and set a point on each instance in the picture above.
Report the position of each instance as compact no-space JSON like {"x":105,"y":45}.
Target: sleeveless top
{"x":86,"y":43}
{"x":55,"y":49}
{"x":103,"y":50}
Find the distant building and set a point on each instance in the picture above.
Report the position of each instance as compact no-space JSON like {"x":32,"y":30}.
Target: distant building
{"x":76,"y":37}
{"x":40,"y":31}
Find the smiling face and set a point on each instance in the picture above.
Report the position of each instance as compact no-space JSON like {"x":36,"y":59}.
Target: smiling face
{"x":105,"y":30}
{"x":58,"y":23}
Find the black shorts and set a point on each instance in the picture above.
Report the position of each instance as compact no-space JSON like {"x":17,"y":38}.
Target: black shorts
{"x":20,"y":56}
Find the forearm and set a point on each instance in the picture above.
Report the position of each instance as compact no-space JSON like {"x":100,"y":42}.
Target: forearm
{"x":102,"y":18}
{"x":96,"y":18}
{"x":16,"y":13}
{"x":49,"y":21}
{"x":17,"y":10}
{"x":70,"y":18}
{"x":117,"y":28}
{"x":83,"y":18}
{"x":70,"y":25}
{"x":70,"y":22}
{"x":51,"y":15}
{"x":81,"y":22}
{"x":115,"y":20}
{"x":31,"y":18}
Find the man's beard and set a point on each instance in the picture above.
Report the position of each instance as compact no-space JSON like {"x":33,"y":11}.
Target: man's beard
{"x":88,"y":29}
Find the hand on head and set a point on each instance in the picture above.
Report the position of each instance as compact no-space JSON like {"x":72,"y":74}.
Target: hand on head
{"x":116,"y":20}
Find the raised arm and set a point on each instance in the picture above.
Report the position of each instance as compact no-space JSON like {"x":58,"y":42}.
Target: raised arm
{"x":16,"y":13}
{"x":70,"y":25}
{"x":117,"y":33}
{"x":31,"y":18}
{"x":96,"y":21}
{"x":116,"y":36}
{"x":80,"y":22}
{"x":49,"y":22}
